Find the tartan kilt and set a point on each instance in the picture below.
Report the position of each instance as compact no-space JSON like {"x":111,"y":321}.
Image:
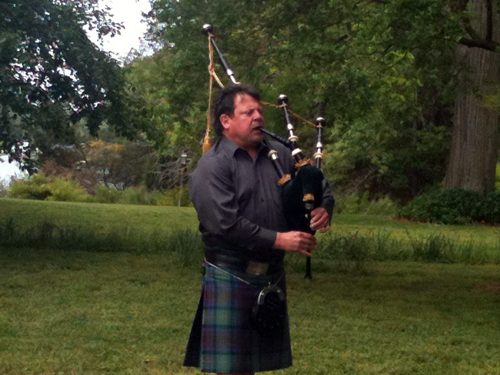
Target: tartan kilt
{"x":222,"y":338}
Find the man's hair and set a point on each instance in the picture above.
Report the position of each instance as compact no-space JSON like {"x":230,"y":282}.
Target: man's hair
{"x":224,"y":103}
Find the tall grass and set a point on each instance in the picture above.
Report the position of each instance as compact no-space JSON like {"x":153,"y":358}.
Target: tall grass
{"x":436,"y":248}
{"x":342,"y":253}
{"x":352,"y":243}
{"x":185,"y":245}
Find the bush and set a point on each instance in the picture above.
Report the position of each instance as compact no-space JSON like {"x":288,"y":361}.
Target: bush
{"x":361,"y":204}
{"x":105,"y":194}
{"x":490,"y":208}
{"x":66,"y":191}
{"x":3,"y":189}
{"x":174,"y":196}
{"x":41,"y":187}
{"x":454,"y":206}
{"x":139,"y":195}
{"x":36,"y":187}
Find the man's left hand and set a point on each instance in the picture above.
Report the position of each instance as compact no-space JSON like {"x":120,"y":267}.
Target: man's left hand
{"x":320,"y":220}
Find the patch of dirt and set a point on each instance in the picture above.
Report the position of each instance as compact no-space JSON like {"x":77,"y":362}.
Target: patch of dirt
{"x":493,"y":286}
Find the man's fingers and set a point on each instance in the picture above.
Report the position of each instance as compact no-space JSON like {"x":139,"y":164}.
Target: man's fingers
{"x":324,"y":229}
{"x":305,"y":242}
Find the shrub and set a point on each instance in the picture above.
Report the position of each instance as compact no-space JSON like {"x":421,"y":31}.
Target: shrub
{"x":490,"y":208}
{"x":35,"y":187}
{"x":139,"y":195}
{"x":361,"y":204}
{"x":105,"y":194}
{"x":454,"y":206}
{"x":3,"y":188}
{"x":174,"y":196}
{"x":41,"y":187}
{"x":66,"y":191}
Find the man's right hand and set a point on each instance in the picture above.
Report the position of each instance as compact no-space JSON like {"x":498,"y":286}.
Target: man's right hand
{"x":300,"y":242}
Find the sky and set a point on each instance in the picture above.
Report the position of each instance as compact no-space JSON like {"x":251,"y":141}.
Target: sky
{"x":9,"y":170}
{"x":130,"y":13}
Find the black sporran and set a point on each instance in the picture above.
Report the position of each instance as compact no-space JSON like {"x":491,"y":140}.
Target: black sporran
{"x":269,"y":311}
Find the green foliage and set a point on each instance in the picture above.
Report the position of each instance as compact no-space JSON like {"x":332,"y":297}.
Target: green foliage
{"x":52,"y":75}
{"x":454,"y":206}
{"x":105,"y":194}
{"x":139,"y":195}
{"x":3,"y":189}
{"x":47,"y":235}
{"x":142,"y":196}
{"x":355,"y":252}
{"x":41,"y":187}
{"x":178,"y":196}
{"x":490,"y":209}
{"x":361,"y":204}
{"x":351,"y":239}
{"x":64,"y":190}
{"x":382,"y":73}
{"x":36,"y":187}
{"x":433,"y":249}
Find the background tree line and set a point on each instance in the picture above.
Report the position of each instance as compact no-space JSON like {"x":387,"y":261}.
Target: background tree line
{"x":409,"y":89}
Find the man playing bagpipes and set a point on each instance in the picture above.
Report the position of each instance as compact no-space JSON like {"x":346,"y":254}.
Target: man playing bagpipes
{"x":241,"y":325}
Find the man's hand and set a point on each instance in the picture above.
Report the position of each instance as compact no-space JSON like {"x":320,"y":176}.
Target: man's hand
{"x":320,"y":220}
{"x":300,"y":242}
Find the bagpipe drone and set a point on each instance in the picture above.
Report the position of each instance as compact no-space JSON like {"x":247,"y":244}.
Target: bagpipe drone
{"x":302,"y":191}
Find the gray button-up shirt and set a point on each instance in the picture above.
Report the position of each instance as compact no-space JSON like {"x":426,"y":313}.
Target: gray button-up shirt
{"x":238,"y":199}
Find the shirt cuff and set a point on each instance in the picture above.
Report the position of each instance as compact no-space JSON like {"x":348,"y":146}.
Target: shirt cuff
{"x":267,"y":238}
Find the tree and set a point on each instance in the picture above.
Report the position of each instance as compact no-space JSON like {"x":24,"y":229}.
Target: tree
{"x":345,"y":61}
{"x":51,"y":74}
{"x":474,"y":151}
{"x":471,"y":27}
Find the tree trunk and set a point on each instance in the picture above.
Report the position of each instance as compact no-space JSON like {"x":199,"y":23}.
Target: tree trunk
{"x":474,"y":148}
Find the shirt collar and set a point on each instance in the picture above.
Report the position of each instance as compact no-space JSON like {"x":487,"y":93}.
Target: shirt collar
{"x":232,"y":147}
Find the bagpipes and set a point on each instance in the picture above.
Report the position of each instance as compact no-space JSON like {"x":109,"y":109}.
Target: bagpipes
{"x":303,"y":191}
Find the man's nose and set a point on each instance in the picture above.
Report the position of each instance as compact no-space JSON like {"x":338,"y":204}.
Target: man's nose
{"x":258,"y":116}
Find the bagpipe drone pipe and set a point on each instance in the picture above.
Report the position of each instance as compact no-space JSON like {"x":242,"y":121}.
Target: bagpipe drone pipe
{"x":303,"y":189}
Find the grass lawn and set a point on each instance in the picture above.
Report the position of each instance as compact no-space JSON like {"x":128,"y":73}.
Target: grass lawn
{"x":105,"y":217}
{"x":67,"y":311}
{"x":120,"y":313}
{"x":27,"y":213}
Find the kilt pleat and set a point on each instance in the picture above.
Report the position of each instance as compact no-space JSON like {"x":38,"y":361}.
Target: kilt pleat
{"x":222,"y":338}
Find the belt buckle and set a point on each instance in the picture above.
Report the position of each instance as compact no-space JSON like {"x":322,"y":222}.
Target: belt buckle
{"x":256,"y":268}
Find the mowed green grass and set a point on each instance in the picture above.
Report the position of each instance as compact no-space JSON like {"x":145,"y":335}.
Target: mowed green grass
{"x":75,"y":312}
{"x":121,"y":313}
{"x":100,"y":217}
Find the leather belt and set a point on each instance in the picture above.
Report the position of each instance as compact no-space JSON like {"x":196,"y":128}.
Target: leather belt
{"x":228,"y":261}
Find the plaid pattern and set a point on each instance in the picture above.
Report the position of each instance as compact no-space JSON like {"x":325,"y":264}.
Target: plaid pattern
{"x":222,"y":339}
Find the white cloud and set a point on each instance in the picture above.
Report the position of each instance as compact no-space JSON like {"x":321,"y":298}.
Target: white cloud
{"x":129,"y":12}
{"x":9,"y":170}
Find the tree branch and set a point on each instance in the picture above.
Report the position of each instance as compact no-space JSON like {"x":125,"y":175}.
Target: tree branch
{"x":489,"y":20}
{"x":470,"y":30}
{"x":489,"y":45}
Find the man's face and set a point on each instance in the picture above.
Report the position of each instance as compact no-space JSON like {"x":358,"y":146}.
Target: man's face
{"x":243,"y":127}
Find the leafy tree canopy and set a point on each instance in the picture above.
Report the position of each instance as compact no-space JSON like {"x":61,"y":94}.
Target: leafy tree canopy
{"x":51,"y":74}
{"x":383,"y":73}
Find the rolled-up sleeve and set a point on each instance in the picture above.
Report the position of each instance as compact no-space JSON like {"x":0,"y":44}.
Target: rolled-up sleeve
{"x":328,"y":202}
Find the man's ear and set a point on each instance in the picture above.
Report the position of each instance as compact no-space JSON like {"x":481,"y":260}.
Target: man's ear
{"x":225,"y":121}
